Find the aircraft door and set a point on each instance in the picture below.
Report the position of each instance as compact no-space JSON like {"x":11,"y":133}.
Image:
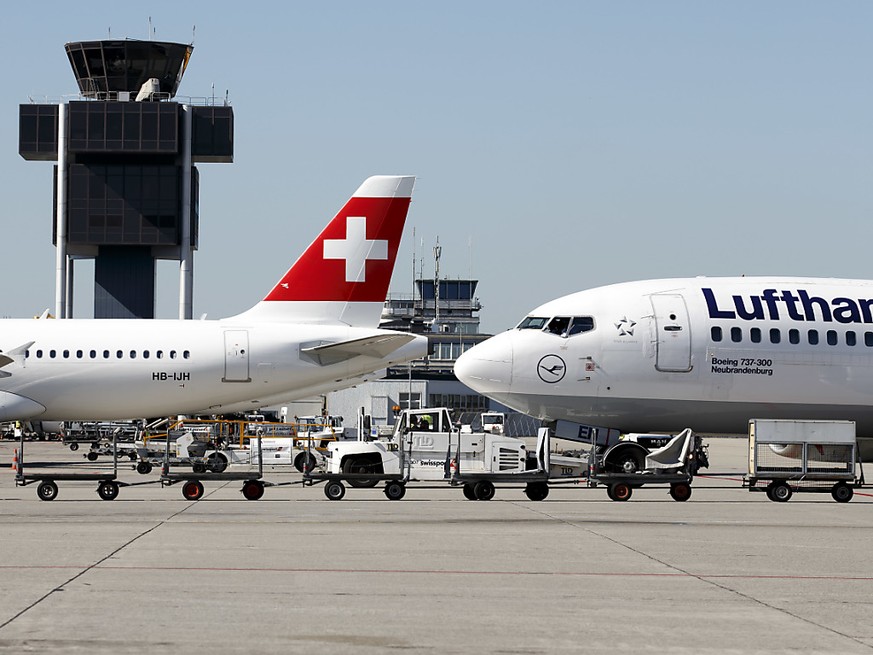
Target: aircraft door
{"x":236,"y":356}
{"x":673,"y":333}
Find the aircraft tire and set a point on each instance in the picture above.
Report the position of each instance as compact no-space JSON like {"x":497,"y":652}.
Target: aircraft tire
{"x":107,"y":490}
{"x":47,"y":490}
{"x":536,"y":491}
{"x":842,"y":493}
{"x":192,"y":490}
{"x":484,"y":490}
{"x":253,"y":489}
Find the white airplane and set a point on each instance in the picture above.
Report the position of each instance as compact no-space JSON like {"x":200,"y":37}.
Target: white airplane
{"x":705,"y":353}
{"x":315,"y":331}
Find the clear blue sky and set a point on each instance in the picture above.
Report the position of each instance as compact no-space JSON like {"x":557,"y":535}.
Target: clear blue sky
{"x":559,"y":145}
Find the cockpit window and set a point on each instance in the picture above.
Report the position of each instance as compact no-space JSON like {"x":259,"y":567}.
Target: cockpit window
{"x":581,"y":324}
{"x":533,"y":323}
{"x":559,"y":325}
{"x":566,"y":326}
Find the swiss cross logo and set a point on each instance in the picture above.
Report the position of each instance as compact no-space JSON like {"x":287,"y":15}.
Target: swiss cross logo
{"x":356,"y":249}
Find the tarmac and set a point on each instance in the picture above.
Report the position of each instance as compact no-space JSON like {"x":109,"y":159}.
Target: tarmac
{"x":728,"y":571}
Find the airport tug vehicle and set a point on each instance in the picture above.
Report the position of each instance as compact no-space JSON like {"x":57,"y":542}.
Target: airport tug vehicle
{"x":426,"y":446}
{"x":642,"y":459}
{"x":788,"y":456}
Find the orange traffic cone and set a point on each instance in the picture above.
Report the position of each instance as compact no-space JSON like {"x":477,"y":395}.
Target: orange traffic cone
{"x":15,"y":460}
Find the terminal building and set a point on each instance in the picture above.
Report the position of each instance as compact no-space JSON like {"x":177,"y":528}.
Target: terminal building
{"x":447,"y":311}
{"x":126,"y":187}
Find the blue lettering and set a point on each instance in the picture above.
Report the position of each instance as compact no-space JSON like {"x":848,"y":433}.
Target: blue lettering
{"x":808,"y":301}
{"x":757,"y":313}
{"x":712,"y":305}
{"x":846,"y":311}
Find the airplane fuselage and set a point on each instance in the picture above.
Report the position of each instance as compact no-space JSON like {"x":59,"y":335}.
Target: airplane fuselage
{"x":709,"y":353}
{"x":89,"y":369}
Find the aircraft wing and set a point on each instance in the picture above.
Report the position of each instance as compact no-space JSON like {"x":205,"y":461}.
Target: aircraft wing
{"x":379,"y":346}
{"x":9,"y":356}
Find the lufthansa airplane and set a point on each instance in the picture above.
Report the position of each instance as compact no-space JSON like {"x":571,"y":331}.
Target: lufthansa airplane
{"x":315,"y":331}
{"x":705,"y":353}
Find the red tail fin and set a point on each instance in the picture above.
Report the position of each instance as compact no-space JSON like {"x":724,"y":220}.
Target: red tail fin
{"x":344,"y":274}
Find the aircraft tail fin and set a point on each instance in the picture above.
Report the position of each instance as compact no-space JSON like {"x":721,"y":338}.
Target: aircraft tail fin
{"x":343,"y":276}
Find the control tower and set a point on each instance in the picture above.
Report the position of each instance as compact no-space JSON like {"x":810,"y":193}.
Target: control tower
{"x":125,"y":186}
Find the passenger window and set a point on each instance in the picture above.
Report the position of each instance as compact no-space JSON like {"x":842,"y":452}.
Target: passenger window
{"x":145,"y":354}
{"x":581,"y":324}
{"x":794,"y":336}
{"x":559,"y":325}
{"x":79,"y":354}
{"x":775,"y":335}
{"x":159,"y":354}
{"x":736,"y":334}
{"x":133,"y":354}
{"x":105,"y":354}
{"x":813,"y":337}
{"x":39,"y":352}
{"x":715,"y":333}
{"x":53,"y":353}
{"x":832,"y":337}
{"x":868,"y":339}
{"x":119,"y":354}
{"x":172,"y":354}
{"x":66,"y":354}
{"x":186,"y":354}
{"x":851,"y":338}
{"x":755,"y":335}
{"x":93,"y":354}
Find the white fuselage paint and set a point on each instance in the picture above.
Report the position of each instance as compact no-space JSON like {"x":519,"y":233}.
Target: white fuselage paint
{"x":67,"y":372}
{"x":651,"y":362}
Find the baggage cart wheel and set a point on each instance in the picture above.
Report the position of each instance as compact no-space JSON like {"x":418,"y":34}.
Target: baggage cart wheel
{"x":484,"y":490}
{"x":334,"y":490}
{"x":253,"y":489}
{"x":198,"y":467}
{"x":619,"y":492}
{"x":842,"y":492}
{"x":536,"y":490}
{"x":47,"y":490}
{"x":395,"y":490}
{"x":780,"y":492}
{"x":469,"y":494}
{"x":680,"y":492}
{"x":192,"y":490}
{"x":92,"y":456}
{"x":144,"y":468}
{"x":107,"y":490}
{"x":304,"y":462}
{"x":74,"y":446}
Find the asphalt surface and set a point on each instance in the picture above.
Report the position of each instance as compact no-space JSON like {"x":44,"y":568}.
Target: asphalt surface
{"x":726,"y":572}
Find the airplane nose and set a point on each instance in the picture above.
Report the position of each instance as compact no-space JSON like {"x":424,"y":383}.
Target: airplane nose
{"x":487,"y":367}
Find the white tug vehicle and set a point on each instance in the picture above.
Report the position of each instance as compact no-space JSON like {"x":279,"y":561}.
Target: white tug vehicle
{"x":426,"y":446}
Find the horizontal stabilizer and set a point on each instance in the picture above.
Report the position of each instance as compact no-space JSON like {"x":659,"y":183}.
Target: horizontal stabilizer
{"x":378,"y":346}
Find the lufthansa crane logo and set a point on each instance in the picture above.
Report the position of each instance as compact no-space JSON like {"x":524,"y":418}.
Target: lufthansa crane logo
{"x":355,"y":249}
{"x":551,"y":369}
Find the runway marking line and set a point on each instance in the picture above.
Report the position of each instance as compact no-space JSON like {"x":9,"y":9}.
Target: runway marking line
{"x":231,"y":569}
